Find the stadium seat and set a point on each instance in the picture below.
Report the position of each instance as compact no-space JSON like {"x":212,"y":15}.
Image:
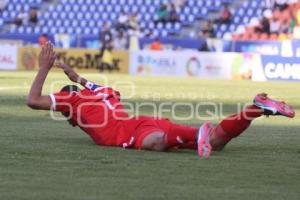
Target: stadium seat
{"x":151,"y":25}
{"x":78,"y":31}
{"x":63,"y":15}
{"x":264,"y":36}
{"x":76,"y":12}
{"x":240,"y":29}
{"x":232,"y":28}
{"x":28,"y":30}
{"x":227,"y":36}
{"x":168,"y":25}
{"x":20,"y":29}
{"x":246,"y":20}
{"x":37,"y":30}
{"x":164,"y":33}
{"x":95,"y":31}
{"x":255,"y":36}
{"x":58,"y":23}
{"x":254,"y":22}
{"x":223,"y":27}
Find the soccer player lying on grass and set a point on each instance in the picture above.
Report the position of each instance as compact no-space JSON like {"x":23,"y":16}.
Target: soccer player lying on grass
{"x":98,"y":111}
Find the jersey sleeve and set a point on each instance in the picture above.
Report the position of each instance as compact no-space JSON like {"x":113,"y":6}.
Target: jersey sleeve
{"x":62,"y":101}
{"x":103,"y":91}
{"x":91,"y":86}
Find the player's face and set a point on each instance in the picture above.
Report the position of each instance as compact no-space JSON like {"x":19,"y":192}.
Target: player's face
{"x":71,"y":121}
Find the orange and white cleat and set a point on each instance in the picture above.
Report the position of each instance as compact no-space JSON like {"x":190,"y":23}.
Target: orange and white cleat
{"x":273,"y":107}
{"x":203,"y":141}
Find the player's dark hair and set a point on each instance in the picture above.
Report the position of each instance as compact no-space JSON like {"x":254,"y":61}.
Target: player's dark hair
{"x":70,"y":88}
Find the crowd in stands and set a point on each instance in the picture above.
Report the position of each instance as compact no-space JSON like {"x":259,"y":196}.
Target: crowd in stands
{"x":208,"y":29}
{"x":3,"y":4}
{"x":168,"y":12}
{"x":27,"y":18}
{"x":126,"y":30}
{"x":274,"y":25}
{"x":280,"y":19}
{"x":117,"y":36}
{"x":225,"y":16}
{"x":30,"y":17}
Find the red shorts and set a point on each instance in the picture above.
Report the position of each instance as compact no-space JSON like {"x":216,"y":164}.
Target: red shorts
{"x":140,"y":127}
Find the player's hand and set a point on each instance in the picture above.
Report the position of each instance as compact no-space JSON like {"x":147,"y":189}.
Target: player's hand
{"x":72,"y":75}
{"x":47,"y":57}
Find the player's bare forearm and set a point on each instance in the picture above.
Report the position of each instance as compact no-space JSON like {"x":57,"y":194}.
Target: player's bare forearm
{"x":35,"y":99}
{"x":72,"y":75}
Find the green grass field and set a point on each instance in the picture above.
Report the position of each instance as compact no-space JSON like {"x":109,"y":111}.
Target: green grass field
{"x":46,"y":159}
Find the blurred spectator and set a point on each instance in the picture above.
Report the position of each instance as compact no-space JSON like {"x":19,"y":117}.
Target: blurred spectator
{"x":162,"y":14}
{"x":269,"y":4}
{"x":156,"y":45}
{"x":133,"y":21}
{"x":275,"y":26}
{"x":122,"y":23}
{"x":208,"y":30}
{"x":20,"y":18}
{"x":43,"y":39}
{"x":298,"y":16}
{"x":134,"y":36}
{"x":281,"y":4}
{"x":178,"y":4}
{"x":225,"y":16}
{"x":33,"y":16}
{"x":204,"y":47}
{"x":107,"y":61}
{"x":173,"y":15}
{"x":3,"y":4}
{"x":120,"y":42}
{"x":106,"y":37}
{"x":264,"y":26}
{"x":285,"y":26}
{"x":292,"y":23}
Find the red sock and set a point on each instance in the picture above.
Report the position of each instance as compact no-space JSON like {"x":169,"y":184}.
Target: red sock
{"x":236,"y":124}
{"x":181,"y":136}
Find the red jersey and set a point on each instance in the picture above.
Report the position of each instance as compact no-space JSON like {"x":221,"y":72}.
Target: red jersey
{"x":97,"y":111}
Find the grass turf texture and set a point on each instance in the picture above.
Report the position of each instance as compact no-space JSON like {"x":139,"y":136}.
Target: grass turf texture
{"x":45,"y":159}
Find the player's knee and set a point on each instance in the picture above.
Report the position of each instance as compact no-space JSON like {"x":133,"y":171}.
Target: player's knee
{"x":217,"y":143}
{"x":154,"y":142}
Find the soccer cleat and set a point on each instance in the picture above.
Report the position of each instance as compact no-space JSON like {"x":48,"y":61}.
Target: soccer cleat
{"x":273,"y":107}
{"x":203,"y":141}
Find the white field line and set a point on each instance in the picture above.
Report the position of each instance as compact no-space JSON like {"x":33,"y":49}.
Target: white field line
{"x":16,"y":87}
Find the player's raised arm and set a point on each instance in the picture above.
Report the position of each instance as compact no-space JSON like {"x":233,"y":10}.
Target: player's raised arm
{"x":74,"y":77}
{"x":35,"y":99}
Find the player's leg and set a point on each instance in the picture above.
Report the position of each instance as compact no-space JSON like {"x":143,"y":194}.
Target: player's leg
{"x":233,"y":126}
{"x":179,"y":136}
{"x":154,"y":141}
{"x":236,"y":124}
{"x":207,"y":137}
{"x":161,"y":134}
{"x":170,"y":135}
